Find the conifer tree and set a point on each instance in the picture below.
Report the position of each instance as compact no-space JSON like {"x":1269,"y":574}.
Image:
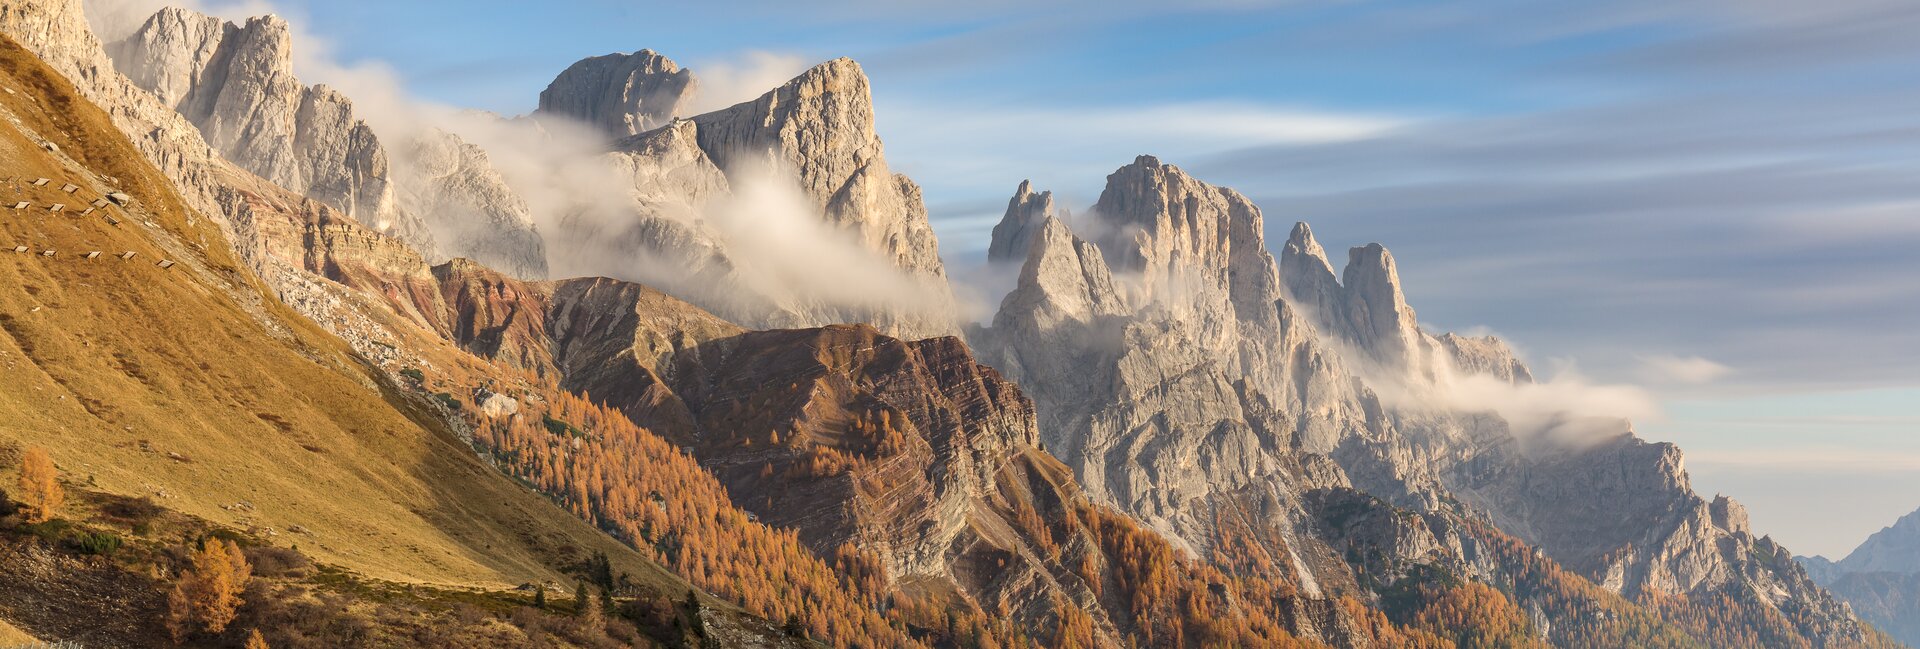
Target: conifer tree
{"x":208,"y":595}
{"x":40,"y":486}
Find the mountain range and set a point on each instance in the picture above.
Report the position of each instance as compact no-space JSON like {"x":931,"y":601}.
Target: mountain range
{"x":711,"y":365}
{"x":1880,"y":579}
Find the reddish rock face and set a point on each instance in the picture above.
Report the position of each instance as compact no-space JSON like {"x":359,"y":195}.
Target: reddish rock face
{"x":912,"y":452}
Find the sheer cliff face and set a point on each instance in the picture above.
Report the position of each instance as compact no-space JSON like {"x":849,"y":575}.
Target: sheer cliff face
{"x":1168,"y":375}
{"x":815,"y":134}
{"x":235,"y":84}
{"x":820,"y":126}
{"x":621,"y":94}
{"x":1178,"y":368}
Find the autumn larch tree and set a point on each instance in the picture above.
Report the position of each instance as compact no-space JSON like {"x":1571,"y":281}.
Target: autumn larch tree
{"x":208,"y":595}
{"x":39,"y":486}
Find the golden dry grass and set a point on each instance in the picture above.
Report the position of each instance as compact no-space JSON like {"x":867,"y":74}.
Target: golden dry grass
{"x":193,"y":386}
{"x":13,"y":637}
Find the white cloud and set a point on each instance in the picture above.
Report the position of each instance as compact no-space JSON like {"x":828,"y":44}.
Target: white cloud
{"x":1663,"y":369}
{"x":724,"y":82}
{"x":1565,"y":407}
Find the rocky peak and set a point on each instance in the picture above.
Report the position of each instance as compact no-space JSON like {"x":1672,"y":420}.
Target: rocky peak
{"x":1301,"y":244}
{"x":1308,"y":275}
{"x":1377,"y":312}
{"x":235,"y":84}
{"x":622,"y":94}
{"x":1486,"y":355}
{"x":820,"y":123}
{"x":819,"y":127}
{"x":169,"y":51}
{"x":1063,"y":275}
{"x":1026,"y":211}
{"x":1176,"y":232}
{"x":1895,"y":548}
{"x":1729,"y":515}
{"x":816,"y":131}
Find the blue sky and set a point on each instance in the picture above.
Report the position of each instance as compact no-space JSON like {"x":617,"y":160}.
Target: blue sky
{"x":1716,"y":199}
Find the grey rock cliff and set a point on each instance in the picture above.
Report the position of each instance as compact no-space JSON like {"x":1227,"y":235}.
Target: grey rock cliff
{"x":236,"y":84}
{"x":621,"y":94}
{"x":1174,"y":381}
{"x":1880,"y":579}
{"x":820,"y":126}
{"x":1215,"y":374}
{"x":814,"y":132}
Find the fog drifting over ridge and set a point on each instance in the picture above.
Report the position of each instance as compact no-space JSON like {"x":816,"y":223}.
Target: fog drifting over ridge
{"x":1557,"y":174}
{"x":780,"y":249}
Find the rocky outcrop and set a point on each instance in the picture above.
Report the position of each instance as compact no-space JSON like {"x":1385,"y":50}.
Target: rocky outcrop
{"x":621,"y":94}
{"x":1217,"y":374}
{"x":236,"y":84}
{"x":1167,"y":380}
{"x":820,"y":127}
{"x":469,"y":207}
{"x":1485,"y":355}
{"x":1026,"y":213}
{"x":815,"y":135}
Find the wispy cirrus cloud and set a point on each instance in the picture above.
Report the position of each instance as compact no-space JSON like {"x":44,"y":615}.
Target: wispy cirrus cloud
{"x":1660,"y":369}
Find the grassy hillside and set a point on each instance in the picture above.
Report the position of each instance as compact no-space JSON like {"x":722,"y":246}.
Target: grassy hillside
{"x":192,"y":386}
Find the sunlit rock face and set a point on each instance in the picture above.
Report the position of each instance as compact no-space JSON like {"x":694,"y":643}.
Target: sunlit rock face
{"x":236,"y":84}
{"x":802,"y":159}
{"x":1178,"y":367}
{"x":621,"y":94}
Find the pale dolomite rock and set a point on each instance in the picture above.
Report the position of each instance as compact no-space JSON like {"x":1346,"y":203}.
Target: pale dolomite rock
{"x":1378,"y":319}
{"x":1486,"y":355}
{"x":1026,"y":212}
{"x":235,"y":83}
{"x":622,"y":94}
{"x":471,"y":210}
{"x":1167,"y":391}
{"x":1205,"y":383}
{"x":820,"y":125}
{"x":815,"y":131}
{"x":497,"y":406}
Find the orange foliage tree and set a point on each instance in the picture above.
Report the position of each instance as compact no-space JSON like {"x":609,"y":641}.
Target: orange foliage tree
{"x":208,"y":595}
{"x":40,"y":486}
{"x":632,"y":483}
